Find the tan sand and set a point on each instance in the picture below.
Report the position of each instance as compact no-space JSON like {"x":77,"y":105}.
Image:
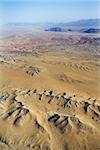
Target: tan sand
{"x":49,"y":101}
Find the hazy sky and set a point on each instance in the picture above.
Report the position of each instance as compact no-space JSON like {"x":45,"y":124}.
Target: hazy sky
{"x":47,"y":10}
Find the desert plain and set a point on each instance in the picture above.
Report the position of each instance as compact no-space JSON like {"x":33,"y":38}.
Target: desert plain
{"x":49,"y":90}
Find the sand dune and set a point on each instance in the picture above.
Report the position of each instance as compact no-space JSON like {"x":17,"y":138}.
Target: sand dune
{"x":49,"y":92}
{"x":59,"y":73}
{"x":39,"y":120}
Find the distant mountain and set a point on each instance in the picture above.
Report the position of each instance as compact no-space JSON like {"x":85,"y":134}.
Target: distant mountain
{"x":85,"y":26}
{"x":83,"y":23}
{"x":92,"y":30}
{"x":55,"y":29}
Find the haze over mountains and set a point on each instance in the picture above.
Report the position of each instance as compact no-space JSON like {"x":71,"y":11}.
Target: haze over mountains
{"x":86,"y":26}
{"x":83,"y":23}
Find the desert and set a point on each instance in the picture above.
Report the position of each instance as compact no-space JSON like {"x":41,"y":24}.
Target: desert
{"x":49,"y":89}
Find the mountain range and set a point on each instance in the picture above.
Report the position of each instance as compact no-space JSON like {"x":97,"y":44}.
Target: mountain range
{"x":86,"y":26}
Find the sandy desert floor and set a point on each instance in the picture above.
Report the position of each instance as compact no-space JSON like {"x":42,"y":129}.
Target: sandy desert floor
{"x":49,"y":100}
